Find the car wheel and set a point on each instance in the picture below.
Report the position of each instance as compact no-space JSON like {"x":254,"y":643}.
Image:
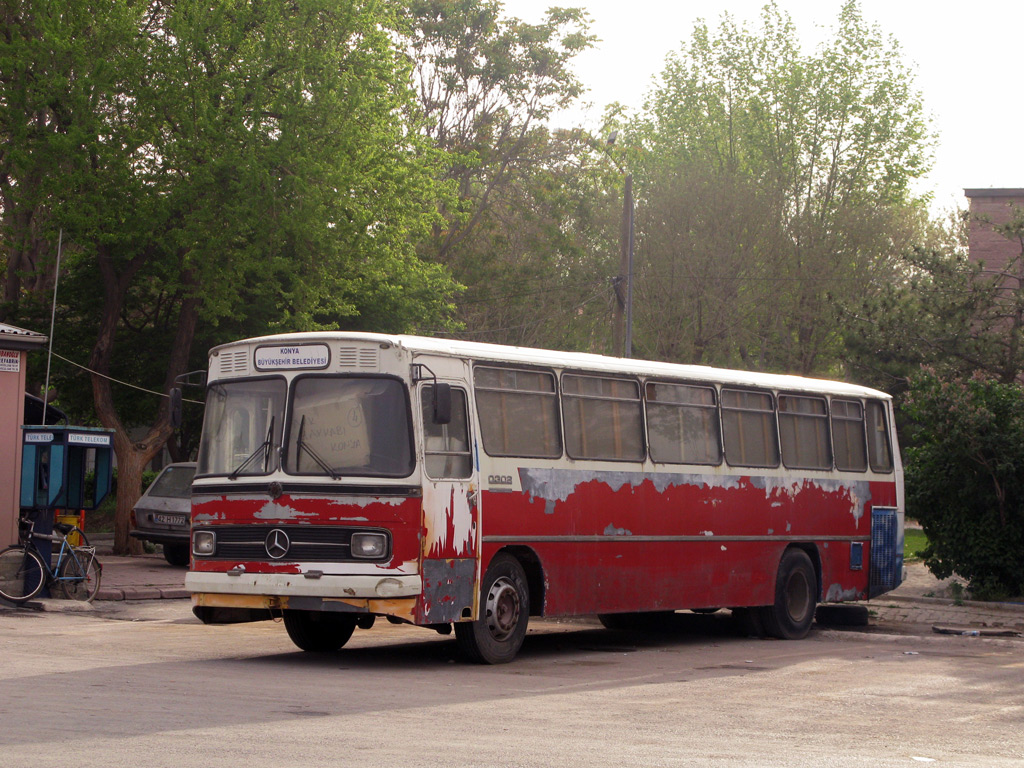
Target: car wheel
{"x":176,"y":554}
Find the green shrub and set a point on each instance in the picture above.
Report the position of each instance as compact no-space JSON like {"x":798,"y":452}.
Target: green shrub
{"x":965,"y":480}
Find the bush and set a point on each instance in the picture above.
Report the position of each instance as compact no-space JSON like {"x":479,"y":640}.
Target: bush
{"x":965,"y":480}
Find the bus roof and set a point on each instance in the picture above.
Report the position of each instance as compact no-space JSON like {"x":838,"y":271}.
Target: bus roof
{"x":499,"y":353}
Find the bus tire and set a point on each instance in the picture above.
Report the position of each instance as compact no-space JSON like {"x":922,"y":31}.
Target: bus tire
{"x":497,"y":636}
{"x":792,"y":614}
{"x":317,"y":631}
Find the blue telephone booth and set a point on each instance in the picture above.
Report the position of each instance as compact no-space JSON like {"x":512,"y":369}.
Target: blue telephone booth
{"x":63,"y":470}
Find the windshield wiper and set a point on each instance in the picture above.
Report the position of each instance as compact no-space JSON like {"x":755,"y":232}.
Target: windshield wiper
{"x":262,"y":449}
{"x":312,"y":454}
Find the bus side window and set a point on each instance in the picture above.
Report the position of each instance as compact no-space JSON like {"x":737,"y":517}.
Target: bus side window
{"x":848,"y":436}
{"x":748,"y":424}
{"x":682,"y":424}
{"x":446,"y":446}
{"x":879,"y":453}
{"x":602,"y":418}
{"x":518,"y":411}
{"x":803,"y":425}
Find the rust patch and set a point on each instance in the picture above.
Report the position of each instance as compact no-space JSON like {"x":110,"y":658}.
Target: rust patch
{"x":448,"y":589}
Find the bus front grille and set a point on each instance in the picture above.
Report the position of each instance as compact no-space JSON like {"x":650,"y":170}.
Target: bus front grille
{"x":299,"y":543}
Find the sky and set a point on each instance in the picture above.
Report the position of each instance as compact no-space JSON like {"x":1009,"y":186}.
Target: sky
{"x":967,"y":58}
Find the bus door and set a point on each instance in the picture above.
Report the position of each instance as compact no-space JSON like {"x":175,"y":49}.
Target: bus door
{"x":451,"y":499}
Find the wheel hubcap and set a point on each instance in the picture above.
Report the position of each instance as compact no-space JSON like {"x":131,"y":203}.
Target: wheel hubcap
{"x":502,"y":609}
{"x":798,"y":597}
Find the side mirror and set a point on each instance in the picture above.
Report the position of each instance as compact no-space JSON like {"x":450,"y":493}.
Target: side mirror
{"x":442,"y":403}
{"x":175,"y":407}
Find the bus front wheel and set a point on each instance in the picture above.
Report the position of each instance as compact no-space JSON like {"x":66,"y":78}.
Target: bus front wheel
{"x":497,"y":636}
{"x":319,"y":632}
{"x":791,"y":615}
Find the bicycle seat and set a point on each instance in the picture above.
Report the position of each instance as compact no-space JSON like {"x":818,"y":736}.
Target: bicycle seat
{"x":63,"y":528}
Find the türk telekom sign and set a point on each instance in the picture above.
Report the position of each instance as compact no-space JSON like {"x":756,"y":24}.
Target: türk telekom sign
{"x":10,"y":361}
{"x":292,"y":357}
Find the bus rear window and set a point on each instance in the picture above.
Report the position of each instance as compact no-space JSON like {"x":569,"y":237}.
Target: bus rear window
{"x":879,"y":452}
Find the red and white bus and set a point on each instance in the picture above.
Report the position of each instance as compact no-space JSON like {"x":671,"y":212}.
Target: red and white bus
{"x":348,"y":476}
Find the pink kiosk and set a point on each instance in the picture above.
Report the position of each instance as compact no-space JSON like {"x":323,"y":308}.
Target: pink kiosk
{"x":15,"y":344}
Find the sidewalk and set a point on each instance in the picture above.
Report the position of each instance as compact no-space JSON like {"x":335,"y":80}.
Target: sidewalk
{"x":924,"y":600}
{"x":146,"y":577}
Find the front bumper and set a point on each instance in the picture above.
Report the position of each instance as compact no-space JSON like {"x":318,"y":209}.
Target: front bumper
{"x":161,"y":537}
{"x":301,"y":585}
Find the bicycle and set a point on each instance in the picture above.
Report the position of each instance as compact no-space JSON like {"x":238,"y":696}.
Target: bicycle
{"x":24,"y":571}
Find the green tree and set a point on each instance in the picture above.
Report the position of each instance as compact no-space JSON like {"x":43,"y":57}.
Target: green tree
{"x":536,"y":268}
{"x":823,"y":147}
{"x":250,"y":165}
{"x":964,"y":482}
{"x":529,"y":198}
{"x":943,"y":310}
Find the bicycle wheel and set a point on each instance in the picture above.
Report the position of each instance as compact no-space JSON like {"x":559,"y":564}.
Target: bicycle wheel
{"x":82,"y":540}
{"x":79,"y":575}
{"x":22,"y":574}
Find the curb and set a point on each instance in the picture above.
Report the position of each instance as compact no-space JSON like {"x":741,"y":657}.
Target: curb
{"x":1012,"y":608}
{"x":142,"y":593}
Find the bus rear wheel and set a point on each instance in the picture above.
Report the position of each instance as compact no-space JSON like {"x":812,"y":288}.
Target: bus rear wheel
{"x":319,"y":632}
{"x":497,"y":636}
{"x":792,"y":614}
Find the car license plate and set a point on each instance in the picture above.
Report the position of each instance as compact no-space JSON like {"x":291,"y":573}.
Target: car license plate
{"x":169,"y":519}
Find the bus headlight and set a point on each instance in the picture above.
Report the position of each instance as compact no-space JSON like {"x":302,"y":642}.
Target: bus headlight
{"x":204,"y":543}
{"x":369,"y":546}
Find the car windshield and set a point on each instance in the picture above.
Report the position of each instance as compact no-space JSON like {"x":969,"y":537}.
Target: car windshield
{"x":345,"y":426}
{"x":242,"y":427}
{"x":174,"y":482}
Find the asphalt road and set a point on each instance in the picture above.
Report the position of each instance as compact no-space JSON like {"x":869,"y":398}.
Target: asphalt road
{"x":144,"y":684}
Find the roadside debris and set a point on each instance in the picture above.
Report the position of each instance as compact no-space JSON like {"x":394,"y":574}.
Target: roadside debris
{"x":976,"y":632}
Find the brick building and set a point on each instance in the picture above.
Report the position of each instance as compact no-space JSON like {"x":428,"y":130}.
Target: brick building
{"x":990,"y":207}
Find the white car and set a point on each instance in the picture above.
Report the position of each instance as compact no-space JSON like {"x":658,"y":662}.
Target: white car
{"x":163,"y":514}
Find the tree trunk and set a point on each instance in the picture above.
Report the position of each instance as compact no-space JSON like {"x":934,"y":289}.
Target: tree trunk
{"x":130,"y":465}
{"x":132,"y":456}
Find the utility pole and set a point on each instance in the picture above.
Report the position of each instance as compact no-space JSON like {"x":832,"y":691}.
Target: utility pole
{"x":622,"y":314}
{"x":628,"y":216}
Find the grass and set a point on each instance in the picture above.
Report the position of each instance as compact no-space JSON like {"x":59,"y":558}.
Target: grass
{"x":914,"y":542}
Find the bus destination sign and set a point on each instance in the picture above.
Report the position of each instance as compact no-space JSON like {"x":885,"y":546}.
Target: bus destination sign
{"x":293,"y":357}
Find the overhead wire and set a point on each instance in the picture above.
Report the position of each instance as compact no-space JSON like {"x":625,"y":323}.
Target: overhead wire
{"x":122,"y":383}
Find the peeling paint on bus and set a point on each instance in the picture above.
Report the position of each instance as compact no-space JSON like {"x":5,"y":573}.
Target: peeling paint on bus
{"x":837,"y":594}
{"x":274,"y":511}
{"x":449,"y":522}
{"x":711,"y":517}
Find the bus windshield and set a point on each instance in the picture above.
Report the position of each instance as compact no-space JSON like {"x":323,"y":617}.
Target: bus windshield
{"x":242,"y":427}
{"x":342,"y":426}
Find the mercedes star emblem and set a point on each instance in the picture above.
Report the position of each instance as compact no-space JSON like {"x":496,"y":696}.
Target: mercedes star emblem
{"x":277,"y":544}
